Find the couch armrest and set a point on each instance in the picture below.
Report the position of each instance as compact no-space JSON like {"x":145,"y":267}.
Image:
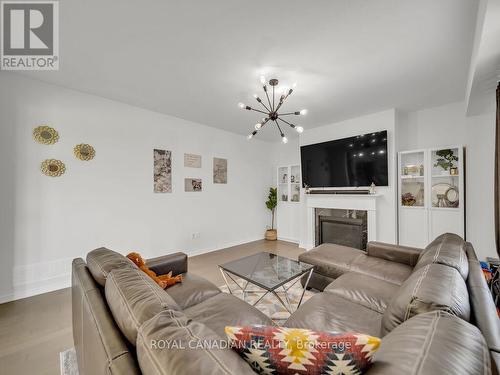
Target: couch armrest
{"x":176,"y":262}
{"x":394,"y":253}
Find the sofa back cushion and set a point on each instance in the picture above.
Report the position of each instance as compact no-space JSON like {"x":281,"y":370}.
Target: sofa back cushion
{"x":102,"y":261}
{"x":133,"y":298}
{"x":432,"y":343}
{"x":433,"y":287}
{"x":171,"y":343}
{"x":447,"y":249}
{"x":99,"y":344}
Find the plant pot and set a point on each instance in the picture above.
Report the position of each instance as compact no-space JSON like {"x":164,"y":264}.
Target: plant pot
{"x":271,"y":234}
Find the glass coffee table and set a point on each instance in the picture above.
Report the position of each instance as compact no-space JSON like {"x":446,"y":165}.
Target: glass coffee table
{"x":270,"y":273}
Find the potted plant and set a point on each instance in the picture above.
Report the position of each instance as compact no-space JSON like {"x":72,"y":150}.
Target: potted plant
{"x":446,"y":159}
{"x":271,"y":203}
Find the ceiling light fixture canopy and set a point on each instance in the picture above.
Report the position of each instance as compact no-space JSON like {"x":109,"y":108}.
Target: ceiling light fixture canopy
{"x":272,"y":107}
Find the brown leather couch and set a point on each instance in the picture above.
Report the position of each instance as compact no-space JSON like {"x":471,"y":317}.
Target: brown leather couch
{"x":123,"y":323}
{"x":378,"y":290}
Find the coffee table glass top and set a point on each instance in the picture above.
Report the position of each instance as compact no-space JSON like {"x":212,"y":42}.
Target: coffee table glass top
{"x":269,"y":271}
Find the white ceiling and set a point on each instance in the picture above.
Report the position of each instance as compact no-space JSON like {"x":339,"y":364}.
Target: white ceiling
{"x":198,"y":59}
{"x":485,"y":67}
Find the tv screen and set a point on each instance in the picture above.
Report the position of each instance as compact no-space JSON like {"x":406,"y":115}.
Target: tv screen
{"x":348,"y":162}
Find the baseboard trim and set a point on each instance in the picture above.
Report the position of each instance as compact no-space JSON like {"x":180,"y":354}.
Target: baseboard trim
{"x":292,"y":240}
{"x":222,"y":246}
{"x":33,"y":289}
{"x":306,"y":246}
{"x":24,"y":289}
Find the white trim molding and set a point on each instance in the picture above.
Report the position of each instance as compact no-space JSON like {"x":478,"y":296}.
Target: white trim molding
{"x":365,"y":202}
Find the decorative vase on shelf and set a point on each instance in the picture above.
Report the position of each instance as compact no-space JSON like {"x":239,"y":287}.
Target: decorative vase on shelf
{"x":441,"y":201}
{"x":373,"y":189}
{"x":420,"y":198}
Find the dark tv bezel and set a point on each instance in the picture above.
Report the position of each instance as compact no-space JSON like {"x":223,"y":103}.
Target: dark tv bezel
{"x":341,"y":139}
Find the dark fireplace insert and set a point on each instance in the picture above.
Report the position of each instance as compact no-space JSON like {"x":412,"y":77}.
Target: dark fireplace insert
{"x":342,"y":227}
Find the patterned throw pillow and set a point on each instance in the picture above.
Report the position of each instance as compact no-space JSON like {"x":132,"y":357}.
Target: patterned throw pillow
{"x":279,"y":350}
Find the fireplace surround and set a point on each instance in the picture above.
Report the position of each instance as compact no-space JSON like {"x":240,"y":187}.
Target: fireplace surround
{"x":341,"y":227}
{"x":357,"y":202}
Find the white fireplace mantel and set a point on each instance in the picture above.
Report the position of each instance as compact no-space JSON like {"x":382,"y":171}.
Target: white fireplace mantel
{"x":364,"y":202}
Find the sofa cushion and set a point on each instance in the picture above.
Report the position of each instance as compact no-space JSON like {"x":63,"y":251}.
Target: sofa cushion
{"x":432,"y":343}
{"x":102,"y":261}
{"x":382,"y":269}
{"x":329,"y":312}
{"x":447,"y":249}
{"x":171,"y":343}
{"x":290,"y":351}
{"x":365,"y":290}
{"x":225,"y":309}
{"x":133,"y":298}
{"x":433,"y":287}
{"x":331,"y":260}
{"x":335,"y":260}
{"x":193,"y":290}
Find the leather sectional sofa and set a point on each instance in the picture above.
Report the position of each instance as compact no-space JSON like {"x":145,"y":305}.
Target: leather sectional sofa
{"x":431,"y":307}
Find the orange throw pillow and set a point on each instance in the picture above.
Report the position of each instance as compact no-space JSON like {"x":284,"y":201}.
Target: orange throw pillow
{"x":164,"y":281}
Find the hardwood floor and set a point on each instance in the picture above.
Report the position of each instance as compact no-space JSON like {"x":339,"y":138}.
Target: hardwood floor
{"x":33,"y":331}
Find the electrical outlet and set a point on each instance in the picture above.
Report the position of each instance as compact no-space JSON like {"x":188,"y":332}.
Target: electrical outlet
{"x":195,"y":235}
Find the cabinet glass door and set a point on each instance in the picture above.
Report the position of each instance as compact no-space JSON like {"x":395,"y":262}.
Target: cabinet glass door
{"x":412,"y":179}
{"x":445,"y":178}
{"x":283,"y":179}
{"x":295,"y":183}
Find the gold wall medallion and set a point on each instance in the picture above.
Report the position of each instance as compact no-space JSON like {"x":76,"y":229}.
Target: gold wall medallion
{"x":53,"y":167}
{"x":84,"y":151}
{"x":45,"y":135}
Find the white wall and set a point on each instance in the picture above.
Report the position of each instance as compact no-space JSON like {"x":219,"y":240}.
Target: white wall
{"x":45,"y":222}
{"x":448,"y":125}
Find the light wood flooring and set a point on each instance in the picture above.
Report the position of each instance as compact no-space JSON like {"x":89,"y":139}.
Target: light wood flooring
{"x":33,"y":331}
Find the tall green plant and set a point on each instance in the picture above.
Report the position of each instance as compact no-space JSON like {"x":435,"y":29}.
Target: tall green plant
{"x":272,"y":202}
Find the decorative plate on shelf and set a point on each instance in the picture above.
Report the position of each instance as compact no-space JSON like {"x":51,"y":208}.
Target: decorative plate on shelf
{"x":45,"y":135}
{"x":451,"y":197}
{"x":84,"y":151}
{"x":53,"y":167}
{"x":447,"y":191}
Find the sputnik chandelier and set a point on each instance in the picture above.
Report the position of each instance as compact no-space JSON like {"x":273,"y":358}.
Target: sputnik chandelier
{"x":272,"y":107}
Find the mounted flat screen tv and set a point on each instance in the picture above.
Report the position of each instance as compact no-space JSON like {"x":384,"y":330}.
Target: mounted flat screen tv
{"x":348,"y":162}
